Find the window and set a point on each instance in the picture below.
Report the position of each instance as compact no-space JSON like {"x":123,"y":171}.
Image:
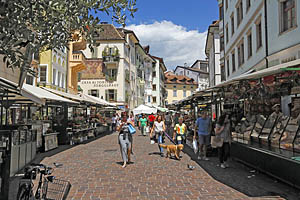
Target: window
{"x":174,"y":93}
{"x":94,"y":93}
{"x":154,"y":87}
{"x":111,"y":95}
{"x":184,"y":86}
{"x":181,"y":73}
{"x":29,"y":79}
{"x":184,"y":93}
{"x":222,"y":43}
{"x":227,"y":64}
{"x":154,"y":99}
{"x":149,"y":99}
{"x":223,"y":75}
{"x":43,"y":73}
{"x":226,"y":4}
{"x":233,"y":61}
{"x":153,"y":74}
{"x":111,"y":74}
{"x":241,"y":54}
{"x":54,"y":77}
{"x":227,"y":38}
{"x":248,"y":4}
{"x":258,"y":34}
{"x":239,"y":12}
{"x":221,"y":11}
{"x":232,"y":24}
{"x":249,"y":41}
{"x":187,"y":72}
{"x":58,"y":79}
{"x":174,"y":86}
{"x":287,"y":14}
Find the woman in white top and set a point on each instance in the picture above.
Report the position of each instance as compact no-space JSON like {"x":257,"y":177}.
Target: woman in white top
{"x":159,"y":129}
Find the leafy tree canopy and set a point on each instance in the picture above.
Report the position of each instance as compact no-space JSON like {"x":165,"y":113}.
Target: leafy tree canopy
{"x":28,"y":26}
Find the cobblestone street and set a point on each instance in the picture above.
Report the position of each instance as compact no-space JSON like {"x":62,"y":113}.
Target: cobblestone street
{"x":95,"y":172}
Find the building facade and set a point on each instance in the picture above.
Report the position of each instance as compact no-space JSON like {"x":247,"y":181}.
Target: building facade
{"x":158,"y":86}
{"x":198,"y":71}
{"x":52,"y":70}
{"x":149,"y":66}
{"x":259,"y":34}
{"x":125,"y":64}
{"x":178,"y":87}
{"x":212,"y":51}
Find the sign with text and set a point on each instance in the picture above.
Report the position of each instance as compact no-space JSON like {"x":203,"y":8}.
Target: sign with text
{"x":99,"y":83}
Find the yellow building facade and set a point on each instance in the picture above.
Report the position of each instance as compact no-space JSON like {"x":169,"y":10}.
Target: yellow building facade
{"x":178,"y":87}
{"x":52,"y":70}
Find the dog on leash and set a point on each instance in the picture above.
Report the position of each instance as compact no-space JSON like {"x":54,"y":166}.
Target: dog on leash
{"x":175,"y":149}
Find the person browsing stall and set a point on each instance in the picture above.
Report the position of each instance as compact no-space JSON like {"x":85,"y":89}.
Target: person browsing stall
{"x":203,"y":125}
{"x":222,"y":130}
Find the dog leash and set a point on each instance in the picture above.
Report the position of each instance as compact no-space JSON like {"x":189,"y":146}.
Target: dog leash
{"x":170,"y":138}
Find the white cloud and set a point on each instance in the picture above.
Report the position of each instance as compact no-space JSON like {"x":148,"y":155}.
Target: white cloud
{"x":174,"y":43}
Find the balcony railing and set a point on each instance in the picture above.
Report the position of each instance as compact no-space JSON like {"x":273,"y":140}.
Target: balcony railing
{"x":111,"y":59}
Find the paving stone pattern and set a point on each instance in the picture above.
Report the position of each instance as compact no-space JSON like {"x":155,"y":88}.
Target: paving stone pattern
{"x":95,"y":172}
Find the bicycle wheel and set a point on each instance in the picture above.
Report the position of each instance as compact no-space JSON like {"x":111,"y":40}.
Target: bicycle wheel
{"x":24,"y":193}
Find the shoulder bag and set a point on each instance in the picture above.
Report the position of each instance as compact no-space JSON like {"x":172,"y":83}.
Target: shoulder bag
{"x":131,"y":129}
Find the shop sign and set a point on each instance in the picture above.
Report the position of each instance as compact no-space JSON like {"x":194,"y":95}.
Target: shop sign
{"x":295,"y":90}
{"x":99,"y":83}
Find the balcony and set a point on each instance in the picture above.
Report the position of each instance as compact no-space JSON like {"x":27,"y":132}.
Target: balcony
{"x":110,"y":55}
{"x":111,"y":59}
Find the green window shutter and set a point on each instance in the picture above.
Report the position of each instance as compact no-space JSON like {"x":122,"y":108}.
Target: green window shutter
{"x":89,"y":92}
{"x":106,"y":95}
{"x":115,"y":95}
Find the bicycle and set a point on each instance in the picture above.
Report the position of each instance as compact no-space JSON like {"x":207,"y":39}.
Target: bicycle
{"x":49,"y":188}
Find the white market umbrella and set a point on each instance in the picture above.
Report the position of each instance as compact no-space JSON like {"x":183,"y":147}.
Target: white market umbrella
{"x":142,"y":109}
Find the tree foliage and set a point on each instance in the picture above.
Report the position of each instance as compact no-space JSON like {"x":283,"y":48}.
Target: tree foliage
{"x":28,"y":26}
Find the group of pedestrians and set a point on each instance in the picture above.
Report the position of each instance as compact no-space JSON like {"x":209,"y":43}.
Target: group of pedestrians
{"x":222,"y":131}
{"x":162,"y":124}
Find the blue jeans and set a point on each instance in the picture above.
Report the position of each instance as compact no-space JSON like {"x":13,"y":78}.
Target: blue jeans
{"x":160,"y":141}
{"x":179,"y":141}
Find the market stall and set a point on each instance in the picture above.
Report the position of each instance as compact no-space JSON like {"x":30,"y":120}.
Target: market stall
{"x":264,"y":109}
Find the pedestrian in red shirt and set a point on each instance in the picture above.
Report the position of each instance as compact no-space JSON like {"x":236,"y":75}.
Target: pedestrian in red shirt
{"x":151,"y":119}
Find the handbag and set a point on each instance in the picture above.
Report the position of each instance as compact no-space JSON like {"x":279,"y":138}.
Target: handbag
{"x":131,"y":129}
{"x":195,"y":146}
{"x":216,"y":141}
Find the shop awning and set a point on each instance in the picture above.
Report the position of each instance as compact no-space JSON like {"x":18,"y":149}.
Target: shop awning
{"x":45,"y":95}
{"x":98,"y":100}
{"x":65,"y":95}
{"x":13,"y":93}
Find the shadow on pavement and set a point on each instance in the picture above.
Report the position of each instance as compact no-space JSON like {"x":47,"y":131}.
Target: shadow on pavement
{"x":243,"y":178}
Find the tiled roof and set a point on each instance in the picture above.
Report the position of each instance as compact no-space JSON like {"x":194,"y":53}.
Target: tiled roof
{"x":109,"y":32}
{"x":171,"y":78}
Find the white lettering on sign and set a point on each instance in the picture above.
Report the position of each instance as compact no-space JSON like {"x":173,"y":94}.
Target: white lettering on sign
{"x":100,"y":83}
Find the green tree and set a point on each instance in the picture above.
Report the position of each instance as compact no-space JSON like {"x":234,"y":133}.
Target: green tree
{"x":28,"y":26}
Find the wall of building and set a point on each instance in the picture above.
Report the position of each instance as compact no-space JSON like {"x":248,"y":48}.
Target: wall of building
{"x":156,"y":81}
{"x":289,"y":39}
{"x":180,"y":94}
{"x":248,"y":24}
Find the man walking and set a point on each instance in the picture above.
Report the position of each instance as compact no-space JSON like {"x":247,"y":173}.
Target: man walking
{"x":203,"y":124}
{"x":151,"y":119}
{"x":168,"y":122}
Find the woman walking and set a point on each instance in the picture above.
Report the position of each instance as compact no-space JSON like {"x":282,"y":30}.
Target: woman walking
{"x":223,"y":131}
{"x":159,"y":129}
{"x":125,"y":140}
{"x":142,"y":124}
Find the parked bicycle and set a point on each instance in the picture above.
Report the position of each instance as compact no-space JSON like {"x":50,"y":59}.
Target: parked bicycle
{"x":49,"y":188}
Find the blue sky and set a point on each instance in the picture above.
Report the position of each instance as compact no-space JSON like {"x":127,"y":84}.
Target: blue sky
{"x":174,"y":29}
